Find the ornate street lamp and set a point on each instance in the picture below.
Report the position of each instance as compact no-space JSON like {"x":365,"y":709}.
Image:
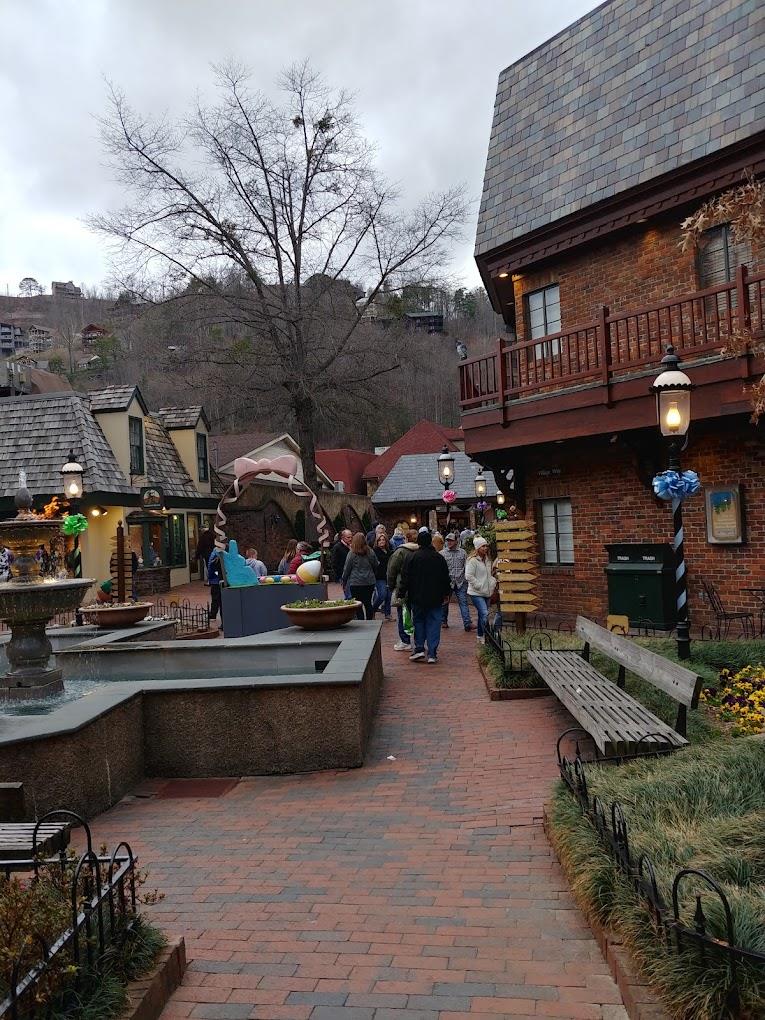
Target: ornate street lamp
{"x":673,"y":410}
{"x":71,"y":476}
{"x":480,"y":485}
{"x":446,"y":468}
{"x":500,"y":499}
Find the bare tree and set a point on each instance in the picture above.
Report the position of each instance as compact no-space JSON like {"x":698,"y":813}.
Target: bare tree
{"x":265,"y":212}
{"x":29,"y":287}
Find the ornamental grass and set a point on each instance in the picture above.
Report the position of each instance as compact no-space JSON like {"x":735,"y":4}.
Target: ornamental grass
{"x":702,"y":807}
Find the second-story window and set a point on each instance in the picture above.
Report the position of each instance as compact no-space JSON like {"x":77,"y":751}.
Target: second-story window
{"x":135,"y":431}
{"x":203,"y":470}
{"x":543,"y":318}
{"x":720,"y":255}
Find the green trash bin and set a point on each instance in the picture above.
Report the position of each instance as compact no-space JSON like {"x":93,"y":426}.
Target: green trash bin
{"x":641,"y":584}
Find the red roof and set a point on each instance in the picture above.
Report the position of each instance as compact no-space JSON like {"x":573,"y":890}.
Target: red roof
{"x":346,"y":466}
{"x":424,"y":437}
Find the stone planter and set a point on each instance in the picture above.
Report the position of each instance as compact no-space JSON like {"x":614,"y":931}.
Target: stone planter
{"x":112,"y":617}
{"x":322,"y":617}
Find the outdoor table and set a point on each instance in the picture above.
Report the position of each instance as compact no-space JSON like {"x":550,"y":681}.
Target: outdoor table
{"x":16,"y":840}
{"x":759,"y":592}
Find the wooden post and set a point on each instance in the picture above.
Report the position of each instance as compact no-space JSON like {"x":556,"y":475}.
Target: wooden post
{"x":604,"y":344}
{"x":744,"y":318}
{"x":121,"y":592}
{"x":501,"y":380}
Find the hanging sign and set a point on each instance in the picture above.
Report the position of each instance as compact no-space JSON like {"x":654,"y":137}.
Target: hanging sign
{"x":152,"y":497}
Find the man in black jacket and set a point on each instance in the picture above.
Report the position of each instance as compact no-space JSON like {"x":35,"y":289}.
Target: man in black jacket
{"x":340,"y":552}
{"x":424,"y":587}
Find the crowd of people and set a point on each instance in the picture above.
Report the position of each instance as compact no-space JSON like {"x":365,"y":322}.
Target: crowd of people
{"x":417,"y":573}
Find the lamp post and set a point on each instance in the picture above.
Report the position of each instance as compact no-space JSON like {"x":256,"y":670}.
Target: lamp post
{"x":673,"y":410}
{"x":480,"y":492}
{"x":71,"y":475}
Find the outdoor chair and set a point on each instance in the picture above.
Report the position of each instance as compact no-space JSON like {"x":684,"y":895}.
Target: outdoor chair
{"x":724,"y":618}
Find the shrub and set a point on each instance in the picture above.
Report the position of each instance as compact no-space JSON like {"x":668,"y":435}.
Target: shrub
{"x":739,"y":699}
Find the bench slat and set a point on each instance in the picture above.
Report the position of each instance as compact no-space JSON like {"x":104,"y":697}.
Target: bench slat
{"x":675,"y":680}
{"x":616,"y":722}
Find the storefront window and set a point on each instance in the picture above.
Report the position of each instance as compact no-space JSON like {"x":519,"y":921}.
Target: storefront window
{"x":176,"y":540}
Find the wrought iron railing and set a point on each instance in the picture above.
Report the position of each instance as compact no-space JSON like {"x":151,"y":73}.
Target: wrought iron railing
{"x":613,"y":346}
{"x":102,"y":895}
{"x":673,"y":928}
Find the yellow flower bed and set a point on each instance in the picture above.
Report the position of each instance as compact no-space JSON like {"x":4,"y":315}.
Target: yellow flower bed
{"x":739,"y":699}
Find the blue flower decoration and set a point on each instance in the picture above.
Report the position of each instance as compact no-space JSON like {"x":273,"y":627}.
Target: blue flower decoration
{"x":671,"y":485}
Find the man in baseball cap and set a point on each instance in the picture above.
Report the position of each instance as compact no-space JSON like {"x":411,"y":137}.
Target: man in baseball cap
{"x":456,"y":558}
{"x":425,"y":586}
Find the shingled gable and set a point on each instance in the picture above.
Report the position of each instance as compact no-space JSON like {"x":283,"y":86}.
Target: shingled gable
{"x":182,"y":417}
{"x":424,"y":437}
{"x":163,"y":464}
{"x":627,"y":94}
{"x":39,"y":431}
{"x":115,"y":398}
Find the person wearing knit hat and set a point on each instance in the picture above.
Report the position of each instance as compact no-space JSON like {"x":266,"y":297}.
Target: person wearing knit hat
{"x":481,"y":582}
{"x":424,"y":587}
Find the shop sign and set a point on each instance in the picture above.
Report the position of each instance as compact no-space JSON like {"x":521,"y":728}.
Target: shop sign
{"x":152,"y":497}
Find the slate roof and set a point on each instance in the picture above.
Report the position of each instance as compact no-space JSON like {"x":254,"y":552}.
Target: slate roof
{"x":182,"y":417}
{"x":224,"y":449}
{"x":39,"y":430}
{"x":115,"y":398}
{"x":424,"y":437}
{"x":163,"y":465}
{"x":631,"y":91}
{"x":414,"y":479}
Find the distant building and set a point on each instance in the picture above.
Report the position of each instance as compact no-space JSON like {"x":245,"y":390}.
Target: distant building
{"x":40,"y":338}
{"x":424,"y":322}
{"x":89,"y":364}
{"x":12,"y":339}
{"x":345,"y":468}
{"x":424,"y":437}
{"x":65,"y":290}
{"x":92,"y":333}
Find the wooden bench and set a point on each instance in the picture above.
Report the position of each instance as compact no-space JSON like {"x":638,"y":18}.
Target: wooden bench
{"x":617,"y":723}
{"x":16,"y":839}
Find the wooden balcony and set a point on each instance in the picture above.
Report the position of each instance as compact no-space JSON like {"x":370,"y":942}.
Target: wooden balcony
{"x":594,"y":363}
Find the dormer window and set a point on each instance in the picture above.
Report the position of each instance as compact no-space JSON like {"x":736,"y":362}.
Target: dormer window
{"x":203,"y":467}
{"x":135,"y":432}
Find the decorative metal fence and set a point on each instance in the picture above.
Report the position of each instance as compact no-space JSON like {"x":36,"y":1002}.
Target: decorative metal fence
{"x":102,"y":894}
{"x":188,"y":618}
{"x":678,"y":932}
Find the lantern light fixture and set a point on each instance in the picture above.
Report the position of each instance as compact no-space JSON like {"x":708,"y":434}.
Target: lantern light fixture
{"x":673,"y":397}
{"x":500,"y":499}
{"x":480,"y":484}
{"x":71,"y":475}
{"x":446,"y":467}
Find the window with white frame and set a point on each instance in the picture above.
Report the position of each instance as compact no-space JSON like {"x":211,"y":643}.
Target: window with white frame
{"x":543,"y":318}
{"x":557,"y":530}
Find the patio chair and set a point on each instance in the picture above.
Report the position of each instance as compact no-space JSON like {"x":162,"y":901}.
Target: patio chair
{"x":724,"y":618}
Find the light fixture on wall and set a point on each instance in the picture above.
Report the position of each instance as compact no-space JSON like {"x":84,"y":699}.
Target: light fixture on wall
{"x":98,"y":511}
{"x":71,"y":474}
{"x":500,"y":499}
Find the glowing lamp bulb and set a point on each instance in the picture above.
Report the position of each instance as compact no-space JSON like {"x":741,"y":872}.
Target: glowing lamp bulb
{"x":673,"y":418}
{"x":73,"y":487}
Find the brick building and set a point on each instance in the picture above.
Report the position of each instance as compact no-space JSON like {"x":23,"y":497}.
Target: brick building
{"x":651,"y":109}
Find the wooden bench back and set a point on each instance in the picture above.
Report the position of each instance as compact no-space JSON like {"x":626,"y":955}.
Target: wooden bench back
{"x":675,"y":680}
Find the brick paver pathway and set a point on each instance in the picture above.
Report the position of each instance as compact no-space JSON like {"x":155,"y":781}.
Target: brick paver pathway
{"x":411,"y":889}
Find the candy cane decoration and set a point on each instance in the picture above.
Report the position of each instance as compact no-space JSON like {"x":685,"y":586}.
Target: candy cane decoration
{"x":246,"y":470}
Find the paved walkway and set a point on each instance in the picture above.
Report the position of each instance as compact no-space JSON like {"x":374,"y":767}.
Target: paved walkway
{"x":415,"y":888}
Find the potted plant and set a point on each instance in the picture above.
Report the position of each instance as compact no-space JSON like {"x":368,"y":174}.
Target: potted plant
{"x":315,"y":614}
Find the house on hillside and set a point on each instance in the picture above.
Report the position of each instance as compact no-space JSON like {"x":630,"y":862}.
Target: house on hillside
{"x":604,"y":139}
{"x":424,"y":322}
{"x":12,"y":339}
{"x":92,"y":333}
{"x":424,"y":437}
{"x":128,"y":454}
{"x":40,"y":338}
{"x":65,"y":290}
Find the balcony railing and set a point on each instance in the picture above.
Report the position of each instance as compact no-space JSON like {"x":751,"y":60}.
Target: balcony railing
{"x":614,"y":346}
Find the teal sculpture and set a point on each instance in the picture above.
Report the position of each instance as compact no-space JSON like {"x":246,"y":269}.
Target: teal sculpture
{"x":237,"y":573}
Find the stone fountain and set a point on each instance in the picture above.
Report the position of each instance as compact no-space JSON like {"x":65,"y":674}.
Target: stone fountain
{"x":28,"y":601}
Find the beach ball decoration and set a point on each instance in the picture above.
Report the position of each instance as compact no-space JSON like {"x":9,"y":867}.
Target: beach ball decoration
{"x":449,"y":496}
{"x":309,"y":572}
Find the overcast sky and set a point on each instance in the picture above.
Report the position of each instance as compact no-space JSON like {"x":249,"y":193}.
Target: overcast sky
{"x":424,"y":73}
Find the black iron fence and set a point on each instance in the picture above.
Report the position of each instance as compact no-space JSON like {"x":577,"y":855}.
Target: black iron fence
{"x":101,"y":892}
{"x":189,"y":618}
{"x":674,"y":928}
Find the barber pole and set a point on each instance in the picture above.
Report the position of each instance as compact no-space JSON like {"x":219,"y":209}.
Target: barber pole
{"x":681,"y":584}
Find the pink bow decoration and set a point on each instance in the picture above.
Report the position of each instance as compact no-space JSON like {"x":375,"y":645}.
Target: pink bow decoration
{"x":246,"y":468}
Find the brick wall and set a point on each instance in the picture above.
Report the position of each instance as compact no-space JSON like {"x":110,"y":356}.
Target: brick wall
{"x":637,"y":268}
{"x":610,"y":504}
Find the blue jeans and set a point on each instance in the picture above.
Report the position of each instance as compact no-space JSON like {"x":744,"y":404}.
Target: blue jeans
{"x":462,"y":601}
{"x":481,"y":604}
{"x":427,"y":629}
{"x":403,"y":637}
{"x":381,"y":598}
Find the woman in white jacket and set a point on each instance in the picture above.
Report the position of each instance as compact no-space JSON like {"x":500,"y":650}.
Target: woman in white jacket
{"x":481,"y":582}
